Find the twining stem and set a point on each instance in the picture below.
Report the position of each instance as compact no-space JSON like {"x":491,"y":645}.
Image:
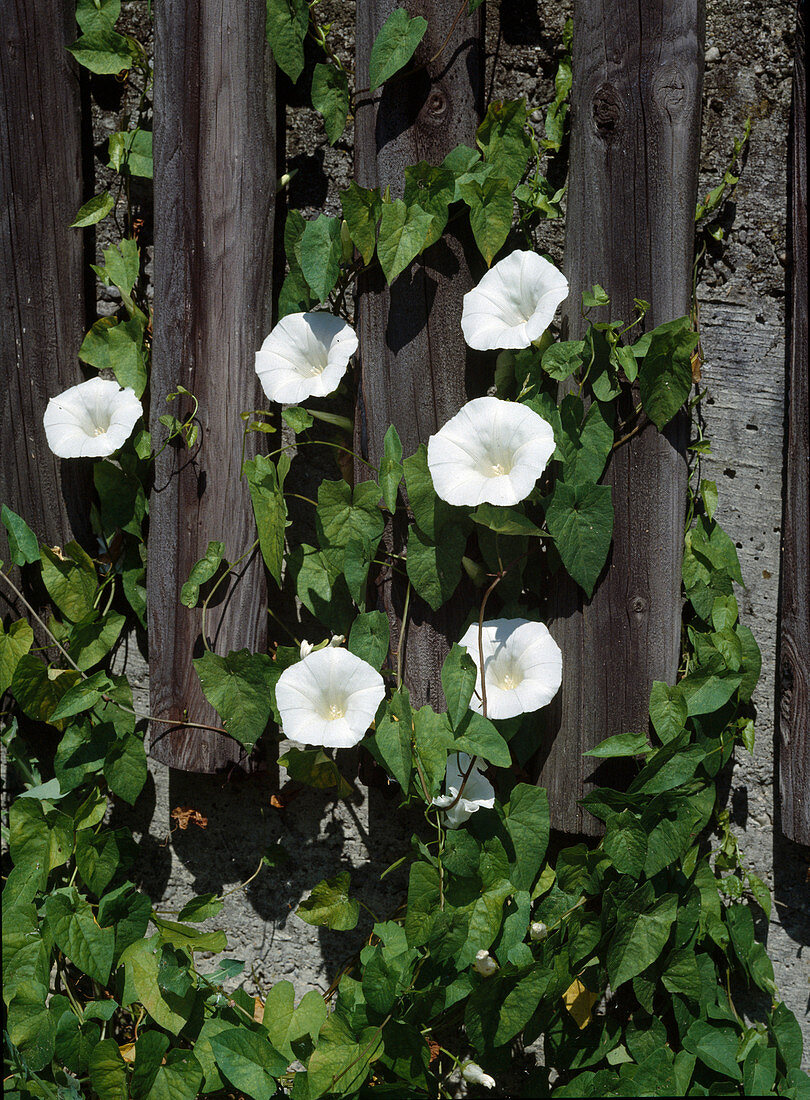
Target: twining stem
{"x":401,"y":644}
{"x":216,"y":585}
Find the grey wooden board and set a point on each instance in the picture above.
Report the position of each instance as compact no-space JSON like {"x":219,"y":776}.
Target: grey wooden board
{"x":43,"y":297}
{"x":413,"y":359}
{"x":215,"y":183}
{"x":794,"y":638}
{"x":630,"y":227}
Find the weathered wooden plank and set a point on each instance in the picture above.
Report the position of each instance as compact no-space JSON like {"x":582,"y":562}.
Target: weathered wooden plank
{"x":413,"y":359}
{"x":44,"y":300}
{"x":215,"y":186}
{"x":635,"y":139}
{"x":794,"y":636}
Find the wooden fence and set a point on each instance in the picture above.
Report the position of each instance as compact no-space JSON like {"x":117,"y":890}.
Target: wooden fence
{"x":634,"y":159}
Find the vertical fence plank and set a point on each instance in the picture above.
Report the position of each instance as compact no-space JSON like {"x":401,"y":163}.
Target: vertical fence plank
{"x":413,"y":356}
{"x":214,"y":198}
{"x":44,"y":304}
{"x":635,"y":142}
{"x":794,"y":637}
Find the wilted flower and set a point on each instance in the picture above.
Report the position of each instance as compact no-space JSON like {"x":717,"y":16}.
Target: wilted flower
{"x":492,"y":451}
{"x":91,"y":420}
{"x":522,"y":663}
{"x":478,"y":791}
{"x":537,"y":931}
{"x":474,"y":1075}
{"x":484,"y":963}
{"x":329,"y":698}
{"x":305,"y":355}
{"x":514,"y":303}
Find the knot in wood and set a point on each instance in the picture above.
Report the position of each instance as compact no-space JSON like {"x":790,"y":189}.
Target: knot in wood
{"x":669,"y":89}
{"x":607,"y":110}
{"x":436,"y":106}
{"x":638,"y":604}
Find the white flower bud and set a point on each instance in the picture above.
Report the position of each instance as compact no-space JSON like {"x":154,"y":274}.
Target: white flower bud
{"x":537,"y":931}
{"x":337,"y":640}
{"x":306,"y":649}
{"x":474,"y":1075}
{"x":485,"y":964}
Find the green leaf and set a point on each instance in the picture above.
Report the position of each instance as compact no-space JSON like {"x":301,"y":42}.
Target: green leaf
{"x":103,"y":51}
{"x":267,"y":498}
{"x":285,"y":1023}
{"x":394,"y":46}
{"x":70,"y":578}
{"x":626,"y":842}
{"x":563,"y":358}
{"x":108,"y":1071}
{"x":640,"y":935}
{"x":127,"y":912}
{"x":75,"y":1040}
{"x":181,"y":936}
{"x":788,"y":1035}
{"x":490,"y":203}
{"x":14,"y":645}
{"x":715,"y":1046}
{"x":403,"y":233}
{"x":238,"y":687}
{"x":504,"y":521}
{"x":150,"y":1049}
{"x":344,"y":514}
{"x":434,"y":568}
{"x":37,"y":688}
{"x":705,"y":692}
{"x":431,"y":513}
{"x":330,"y":96}
{"x":668,"y":710}
{"x":477,"y":736}
{"x":595,"y":297}
{"x":30,"y":1025}
{"x":361,"y":209}
{"x":94,"y":210}
{"x":620,"y":744}
{"x":341,"y":1057}
{"x":665,"y":374}
{"x":40,"y":837}
{"x":122,"y":266}
{"x":92,"y":638}
{"x":202,"y":571}
{"x":287,"y":22}
{"x":586,"y":439}
{"x":22,"y":542}
{"x":370,"y":637}
{"x":321,"y":588}
{"x":200,"y":908}
{"x":297,"y":418}
{"x":580,"y":518}
{"x":97,"y":15}
{"x":316,"y":769}
{"x":391,"y":469}
{"x":458,"y":683}
{"x":141,"y":962}
{"x":528,"y":824}
{"x":77,"y":933}
{"x":320,"y":254}
{"x":504,"y":141}
{"x":393,"y":739}
{"x":330,"y":906}
{"x":125,"y":767}
{"x":130,"y":151}
{"x":99,"y":856}
{"x":431,"y":189}
{"x":117,"y":346}
{"x":123,"y":501}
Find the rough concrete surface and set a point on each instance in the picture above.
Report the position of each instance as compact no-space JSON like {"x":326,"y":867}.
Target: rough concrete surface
{"x":741,"y":295}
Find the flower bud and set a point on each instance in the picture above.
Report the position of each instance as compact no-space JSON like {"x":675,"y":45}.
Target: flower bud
{"x":537,"y":931}
{"x":337,"y":640}
{"x":474,"y":1075}
{"x":346,"y":244}
{"x":306,"y":649}
{"x":485,"y":964}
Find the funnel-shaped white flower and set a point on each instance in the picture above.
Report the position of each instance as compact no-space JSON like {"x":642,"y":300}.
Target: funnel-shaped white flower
{"x":514,"y":303}
{"x":491,"y":451}
{"x":329,"y":698}
{"x":478,"y":791}
{"x":91,"y":420}
{"x":474,"y":1075}
{"x":522,"y":663}
{"x":305,"y":355}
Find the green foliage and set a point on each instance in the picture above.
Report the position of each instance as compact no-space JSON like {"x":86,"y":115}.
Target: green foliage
{"x":287,"y":22}
{"x":330,"y":96}
{"x":394,"y":46}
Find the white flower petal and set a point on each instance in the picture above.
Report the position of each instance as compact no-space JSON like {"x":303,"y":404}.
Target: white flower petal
{"x":523,"y":666}
{"x":305,"y":355}
{"x":478,"y":792}
{"x":514,"y":303}
{"x":491,"y":451}
{"x":91,"y":420}
{"x":329,"y":698}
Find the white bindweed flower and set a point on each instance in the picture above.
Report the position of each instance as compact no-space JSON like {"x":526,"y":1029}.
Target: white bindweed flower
{"x":329,"y":698}
{"x":537,"y":931}
{"x":492,"y":451}
{"x":305,"y":355}
{"x":514,"y":303}
{"x":522,"y":666}
{"x":91,"y":420}
{"x":484,"y":963}
{"x":478,"y":791}
{"x":474,"y":1075}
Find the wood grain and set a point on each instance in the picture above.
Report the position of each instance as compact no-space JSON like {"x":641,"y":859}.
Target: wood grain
{"x":413,"y":359}
{"x":638,"y":73}
{"x":44,"y":297}
{"x":215,"y":183}
{"x":794,"y":633}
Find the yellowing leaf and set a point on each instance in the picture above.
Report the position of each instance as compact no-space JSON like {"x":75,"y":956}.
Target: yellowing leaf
{"x":580,"y":1001}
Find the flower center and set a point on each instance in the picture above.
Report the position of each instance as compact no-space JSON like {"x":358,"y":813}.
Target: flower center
{"x":99,"y":430}
{"x":499,"y":469}
{"x":313,"y":367}
{"x":335,"y":710}
{"x":507,"y":677}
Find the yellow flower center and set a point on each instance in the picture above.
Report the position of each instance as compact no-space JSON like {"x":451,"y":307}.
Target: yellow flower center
{"x":508,"y":678}
{"x":100,"y":431}
{"x":335,"y":711}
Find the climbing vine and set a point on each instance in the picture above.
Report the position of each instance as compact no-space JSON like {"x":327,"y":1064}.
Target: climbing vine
{"x":630,"y":957}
